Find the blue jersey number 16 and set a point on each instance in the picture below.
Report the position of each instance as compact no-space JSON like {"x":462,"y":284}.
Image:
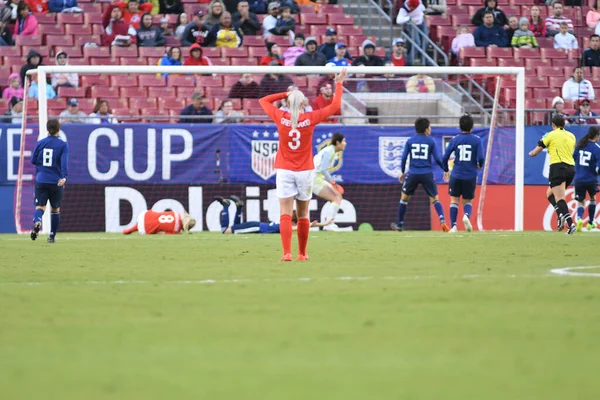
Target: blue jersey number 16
{"x":584,"y":158}
{"x":464,"y":152}
{"x":47,"y":157}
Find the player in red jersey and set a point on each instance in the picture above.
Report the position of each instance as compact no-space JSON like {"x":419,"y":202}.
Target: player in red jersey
{"x":169,"y":222}
{"x":294,"y":160}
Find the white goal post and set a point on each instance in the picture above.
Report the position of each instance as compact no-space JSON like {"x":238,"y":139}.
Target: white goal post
{"x":518,"y":72}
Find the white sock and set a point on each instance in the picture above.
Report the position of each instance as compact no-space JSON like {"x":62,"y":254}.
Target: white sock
{"x":334,"y":210}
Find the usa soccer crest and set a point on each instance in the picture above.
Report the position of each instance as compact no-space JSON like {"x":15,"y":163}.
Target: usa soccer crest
{"x":264,"y":151}
{"x":390,"y":154}
{"x":325,"y":140}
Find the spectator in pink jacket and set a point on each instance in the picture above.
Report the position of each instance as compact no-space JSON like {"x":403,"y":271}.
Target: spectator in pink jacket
{"x":593,"y":16}
{"x":26,"y":24}
{"x":295,"y":51}
{"x":14,"y":88}
{"x":464,"y":38}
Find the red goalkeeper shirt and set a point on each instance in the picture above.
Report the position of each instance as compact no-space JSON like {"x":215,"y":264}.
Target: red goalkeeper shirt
{"x":151,"y":222}
{"x":295,"y":145}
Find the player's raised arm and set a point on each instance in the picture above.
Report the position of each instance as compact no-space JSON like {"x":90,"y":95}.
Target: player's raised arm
{"x":267,"y":104}
{"x":336,"y":103}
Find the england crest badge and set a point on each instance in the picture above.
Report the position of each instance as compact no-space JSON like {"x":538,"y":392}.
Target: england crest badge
{"x":390,"y":154}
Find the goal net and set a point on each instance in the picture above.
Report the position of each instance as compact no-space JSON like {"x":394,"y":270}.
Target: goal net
{"x":146,"y":154}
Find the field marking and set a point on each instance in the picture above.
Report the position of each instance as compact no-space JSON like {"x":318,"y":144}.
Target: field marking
{"x":569,"y":271}
{"x":269,"y":280}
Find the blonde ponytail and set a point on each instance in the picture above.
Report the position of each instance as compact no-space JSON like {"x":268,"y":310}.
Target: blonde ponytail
{"x":296,"y":104}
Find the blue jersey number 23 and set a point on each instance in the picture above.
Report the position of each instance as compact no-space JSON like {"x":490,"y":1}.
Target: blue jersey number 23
{"x":419,"y":151}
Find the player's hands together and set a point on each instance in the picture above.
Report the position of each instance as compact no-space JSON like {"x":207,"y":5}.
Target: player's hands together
{"x":342,"y":75}
{"x":446,"y":176}
{"x":61,"y":182}
{"x":401,"y":177}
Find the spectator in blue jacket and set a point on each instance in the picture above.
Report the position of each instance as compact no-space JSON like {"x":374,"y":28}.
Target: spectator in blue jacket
{"x":197,"y":109}
{"x":489,"y":34}
{"x":61,"y":5}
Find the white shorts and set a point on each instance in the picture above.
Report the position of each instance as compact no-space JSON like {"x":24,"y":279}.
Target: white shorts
{"x":296,"y":184}
{"x":319,"y":182}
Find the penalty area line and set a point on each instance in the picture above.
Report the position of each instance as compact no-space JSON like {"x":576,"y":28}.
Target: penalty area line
{"x":573,"y":271}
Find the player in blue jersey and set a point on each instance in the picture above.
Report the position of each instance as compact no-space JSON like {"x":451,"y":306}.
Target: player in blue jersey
{"x":51,"y":159}
{"x":587,"y":167}
{"x":421,"y":149}
{"x":240,"y":227}
{"x":468,"y":160}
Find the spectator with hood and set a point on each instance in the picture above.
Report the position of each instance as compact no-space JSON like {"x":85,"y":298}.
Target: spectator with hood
{"x":245,"y":88}
{"x":491,"y":6}
{"x":196,"y":31}
{"x":248,"y":21}
{"x":171,"y":7}
{"x":216,"y":8}
{"x":311,"y":57}
{"x":273,"y":54}
{"x":196,"y":57}
{"x":14,"y":88}
{"x":117,"y":32}
{"x":26,"y":24}
{"x":292,"y":53}
{"x":34,"y":60}
{"x":62,"y":79}
{"x":133,"y":11}
{"x":368,"y":59}
{"x":225,"y":33}
{"x":148,"y":35}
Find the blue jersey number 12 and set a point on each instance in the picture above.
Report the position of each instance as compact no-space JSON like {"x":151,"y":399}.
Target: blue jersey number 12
{"x":584,"y":158}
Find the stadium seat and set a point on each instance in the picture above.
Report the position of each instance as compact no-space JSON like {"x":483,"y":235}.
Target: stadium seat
{"x":461,"y":19}
{"x":340,"y":19}
{"x":133,"y":92}
{"x":330,"y":9}
{"x":62,"y":40}
{"x":87,"y":105}
{"x":151,"y":80}
{"x":469,"y":3}
{"x":142,"y":103}
{"x":57,"y":104}
{"x":545,"y":43}
{"x":510,"y":62}
{"x":230,"y":80}
{"x":96,"y":52}
{"x":499,"y":52}
{"x":550,"y":71}
{"x":307,"y":8}
{"x":43,"y":50}
{"x":151,"y":52}
{"x":11,"y":51}
{"x":45,"y":19}
{"x":313,"y":19}
{"x":250,"y":103}
{"x":439,"y":20}
{"x":129,"y":52}
{"x":257,"y":52}
{"x":355,"y":40}
{"x":538,"y":117}
{"x":482,"y":62}
{"x":91,"y":7}
{"x":71,"y":92}
{"x":72,"y":51}
{"x":221,"y":61}
{"x":160,"y":92}
{"x":4,"y":73}
{"x":300,"y":80}
{"x":556,"y":81}
{"x":153,"y":115}
{"x":101,"y":92}
{"x":526,"y":53}
{"x":250,"y":61}
{"x":210,"y":52}
{"x":120,"y":81}
{"x":69,"y":18}
{"x":536,"y":81}
{"x":51,"y":30}
{"x":213,"y":92}
{"x":187,"y":92}
{"x":92,"y":80}
{"x":180,"y":80}
{"x":133,"y":61}
{"x":171,"y":103}
{"x":563,"y":62}
{"x":235,"y":52}
{"x":471,"y":52}
{"x":12,"y":61}
{"x":552,"y":54}
{"x":81,"y":40}
{"x":78,"y":29}
{"x":544,"y":93}
{"x":28,"y":41}
{"x":280,"y":40}
{"x":102,"y":61}
{"x":90,"y":18}
{"x":254,"y":41}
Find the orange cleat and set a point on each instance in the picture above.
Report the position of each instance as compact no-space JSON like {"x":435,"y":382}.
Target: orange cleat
{"x":302,"y":257}
{"x":445,"y":227}
{"x":286,"y":257}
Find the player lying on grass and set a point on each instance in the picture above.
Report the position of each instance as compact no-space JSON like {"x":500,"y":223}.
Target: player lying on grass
{"x":587,"y":167}
{"x":468,"y":160}
{"x":240,"y":227}
{"x":420,"y":172}
{"x":151,"y":222}
{"x":51,"y":158}
{"x":561,"y":146}
{"x":324,"y":185}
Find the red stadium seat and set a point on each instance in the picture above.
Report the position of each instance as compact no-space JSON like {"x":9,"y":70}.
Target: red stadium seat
{"x":160,"y":92}
{"x":102,"y":61}
{"x":552,"y":54}
{"x":151,"y":80}
{"x":187,"y":92}
{"x":133,"y":61}
{"x":482,"y":62}
{"x":81,"y":40}
{"x":71,"y":92}
{"x":91,"y":7}
{"x":78,"y":29}
{"x":257,"y":52}
{"x":72,"y":51}
{"x":280,"y":40}
{"x":4,"y":73}
{"x":120,"y":81}
{"x":562,"y":62}
{"x":28,"y":40}
{"x":210,"y":81}
{"x":545,"y":43}
{"x":45,"y":19}
{"x":216,"y":92}
{"x":96,"y":52}
{"x":510,"y":62}
{"x":129,"y":52}
{"x":235,"y":52}
{"x":536,"y":81}
{"x":556,"y":81}
{"x":307,"y":8}
{"x":142,"y":103}
{"x":57,"y":104}
{"x":171,"y":103}
{"x":210,"y":52}
{"x":356,"y":40}
{"x":250,"y":103}
{"x":153,"y":115}
{"x":550,"y":71}
{"x":300,"y":80}
{"x":499,"y":52}
{"x":221,"y":61}
{"x":469,"y":3}
{"x":230,"y":80}
{"x":526,"y":53}
{"x":250,"y":61}
{"x":43,"y":50}
{"x":92,"y":80}
{"x":62,"y":40}
{"x":254,"y":41}
{"x":101,"y":92}
{"x":133,"y":92}
{"x":90,"y":18}
{"x":340,"y":19}
{"x":180,"y":80}
{"x":313,"y":19}
{"x":330,"y":9}
{"x":545,"y":93}
{"x":461,"y":19}
{"x":11,"y":51}
{"x":69,"y":18}
{"x":14,"y":61}
{"x":51,"y":30}
{"x":87,"y":105}
{"x":151,"y":51}
{"x":471,"y":52}
{"x":439,"y":20}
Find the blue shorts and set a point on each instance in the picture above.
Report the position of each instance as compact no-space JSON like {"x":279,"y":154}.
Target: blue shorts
{"x":464,"y":188}
{"x":412,"y":181}
{"x":582,"y":188}
{"x":48,"y":191}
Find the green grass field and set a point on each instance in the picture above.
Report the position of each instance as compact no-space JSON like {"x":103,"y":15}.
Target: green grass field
{"x":371,"y":316}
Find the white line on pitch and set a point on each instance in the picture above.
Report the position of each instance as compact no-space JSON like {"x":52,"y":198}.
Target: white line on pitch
{"x":570,"y":271}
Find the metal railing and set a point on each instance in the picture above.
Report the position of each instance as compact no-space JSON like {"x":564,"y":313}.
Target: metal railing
{"x":425,"y":38}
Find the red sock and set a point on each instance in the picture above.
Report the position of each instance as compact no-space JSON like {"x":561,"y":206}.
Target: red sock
{"x":131,"y":230}
{"x":303,"y":230}
{"x":285,"y":228}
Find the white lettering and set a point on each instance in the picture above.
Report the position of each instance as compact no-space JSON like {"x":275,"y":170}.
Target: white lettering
{"x":130,"y":154}
{"x":195,"y":205}
{"x":252,"y":205}
{"x":168,"y":157}
{"x":92,"y":154}
{"x":112,"y":207}
{"x":301,"y":124}
{"x":12,"y":154}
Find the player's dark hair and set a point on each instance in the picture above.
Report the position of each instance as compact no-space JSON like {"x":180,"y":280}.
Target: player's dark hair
{"x":592,"y":133}
{"x":421,"y":125}
{"x":466,"y":123}
{"x":53,"y":127}
{"x":337,"y":138}
{"x":593,"y":36}
{"x":558,"y":121}
{"x":488,"y":12}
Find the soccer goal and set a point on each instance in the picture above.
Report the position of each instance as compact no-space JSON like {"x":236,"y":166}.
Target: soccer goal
{"x":154,"y":157}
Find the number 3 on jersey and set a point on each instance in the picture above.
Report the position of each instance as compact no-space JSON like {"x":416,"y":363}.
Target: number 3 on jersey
{"x":47,"y":157}
{"x":295,"y":139}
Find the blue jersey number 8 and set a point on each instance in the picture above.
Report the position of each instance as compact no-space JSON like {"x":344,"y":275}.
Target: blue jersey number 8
{"x":47,"y":157}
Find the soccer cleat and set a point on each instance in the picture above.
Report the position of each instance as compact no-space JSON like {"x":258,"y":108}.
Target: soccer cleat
{"x":467,"y":222}
{"x":445,"y":227}
{"x":331,"y":227}
{"x":591,"y":226}
{"x":579,"y":225}
{"x":237,"y":201}
{"x":224,"y":202}
{"x":286,"y":257}
{"x":35,"y":230}
{"x":561,"y":224}
{"x":50,"y":239}
{"x":571,"y":230}
{"x":396,"y":227}
{"x":454,"y":229}
{"x":302,"y":257}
